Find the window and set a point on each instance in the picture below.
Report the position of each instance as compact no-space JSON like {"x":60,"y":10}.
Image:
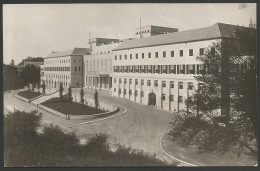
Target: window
{"x":180,"y":99}
{"x":172,"y":84}
{"x":114,"y":80}
{"x":136,"y":56}
{"x":119,"y":91}
{"x":148,"y":82}
{"x":164,"y":83}
{"x":125,"y":81}
{"x":164,"y":54}
{"x":75,"y":68}
{"x":156,"y":54}
{"x":142,"y":93}
{"x":142,"y":82}
{"x":163,"y":97}
{"x":119,"y":80}
{"x":120,"y":57}
{"x":149,"y":55}
{"x":171,"y":98}
{"x":131,"y":56}
{"x":136,"y":93}
{"x":190,"y":85}
{"x":155,"y":83}
{"x":115,"y":57}
{"x":130,"y":92}
{"x":143,"y":55}
{"x":172,"y":53}
{"x":130,"y":81}
{"x":136,"y":81}
{"x":181,"y":53}
{"x":180,"y":85}
{"x":191,"y":52}
{"x":201,"y":51}
{"x":75,"y":60}
{"x":125,"y":56}
{"x":124,"y":91}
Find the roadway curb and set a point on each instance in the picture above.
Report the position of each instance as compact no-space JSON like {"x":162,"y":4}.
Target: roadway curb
{"x":97,"y":120}
{"x":174,"y":158}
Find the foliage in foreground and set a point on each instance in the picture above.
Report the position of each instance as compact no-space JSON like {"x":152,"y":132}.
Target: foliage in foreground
{"x":24,"y":146}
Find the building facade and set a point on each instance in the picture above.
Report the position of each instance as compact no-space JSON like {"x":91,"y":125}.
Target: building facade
{"x":98,"y":64}
{"x":159,"y":70}
{"x":155,"y":69}
{"x":64,"y":68}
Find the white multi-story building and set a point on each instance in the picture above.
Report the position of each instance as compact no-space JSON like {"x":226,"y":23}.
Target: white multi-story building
{"x":64,"y":67}
{"x":159,"y":70}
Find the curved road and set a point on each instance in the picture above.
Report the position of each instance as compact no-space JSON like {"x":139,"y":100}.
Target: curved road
{"x":139,"y":128}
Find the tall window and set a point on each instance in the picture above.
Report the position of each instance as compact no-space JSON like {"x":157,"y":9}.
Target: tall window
{"x":180,"y":99}
{"x":172,"y":53}
{"x":148,"y":82}
{"x":143,"y":55}
{"x":125,"y":81}
{"x":115,"y":57}
{"x":181,"y":53}
{"x":136,"y":81}
{"x":131,"y":56}
{"x":130,"y":81}
{"x":155,"y":83}
{"x":142,"y":82}
{"x":190,"y":85}
{"x":142,"y":93}
{"x":164,"y":54}
{"x":125,"y":56}
{"x":75,"y":68}
{"x":130,"y":92}
{"x":120,"y":57}
{"x":201,"y":51}
{"x":164,"y":83}
{"x":191,"y":52}
{"x":156,"y":54}
{"x":136,"y":56}
{"x":180,"y":85}
{"x":136,"y":93}
{"x":163,"y":97}
{"x":149,"y":55}
{"x":172,"y":84}
{"x":114,"y":80}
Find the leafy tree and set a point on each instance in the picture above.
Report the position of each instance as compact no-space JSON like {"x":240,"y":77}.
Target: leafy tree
{"x":82,"y":96}
{"x":96,"y":100}
{"x":70,"y":94}
{"x":43,"y":88}
{"x":61,"y":91}
{"x":33,"y":86}
{"x":31,"y":74}
{"x":230,"y":85}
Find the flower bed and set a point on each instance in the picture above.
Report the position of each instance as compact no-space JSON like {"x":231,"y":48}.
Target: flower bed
{"x":28,"y":94}
{"x":72,"y":108}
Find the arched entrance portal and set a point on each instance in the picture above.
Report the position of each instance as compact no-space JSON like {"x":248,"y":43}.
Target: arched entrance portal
{"x":152,"y":99}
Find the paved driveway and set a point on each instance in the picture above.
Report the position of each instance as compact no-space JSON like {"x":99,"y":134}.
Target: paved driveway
{"x":139,"y":127}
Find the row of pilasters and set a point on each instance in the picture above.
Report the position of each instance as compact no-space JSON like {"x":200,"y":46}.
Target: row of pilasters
{"x":97,"y":82}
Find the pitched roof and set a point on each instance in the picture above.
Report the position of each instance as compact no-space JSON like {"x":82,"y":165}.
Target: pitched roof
{"x":73,"y":52}
{"x":218,"y":30}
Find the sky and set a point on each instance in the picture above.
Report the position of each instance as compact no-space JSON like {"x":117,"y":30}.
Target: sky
{"x":38,"y":29}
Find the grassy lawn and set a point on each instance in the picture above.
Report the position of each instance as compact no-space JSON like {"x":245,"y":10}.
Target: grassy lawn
{"x":190,"y":154}
{"x":73,"y":108}
{"x":28,"y":94}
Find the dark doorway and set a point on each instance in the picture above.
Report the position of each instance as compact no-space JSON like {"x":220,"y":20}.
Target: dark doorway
{"x":152,"y":99}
